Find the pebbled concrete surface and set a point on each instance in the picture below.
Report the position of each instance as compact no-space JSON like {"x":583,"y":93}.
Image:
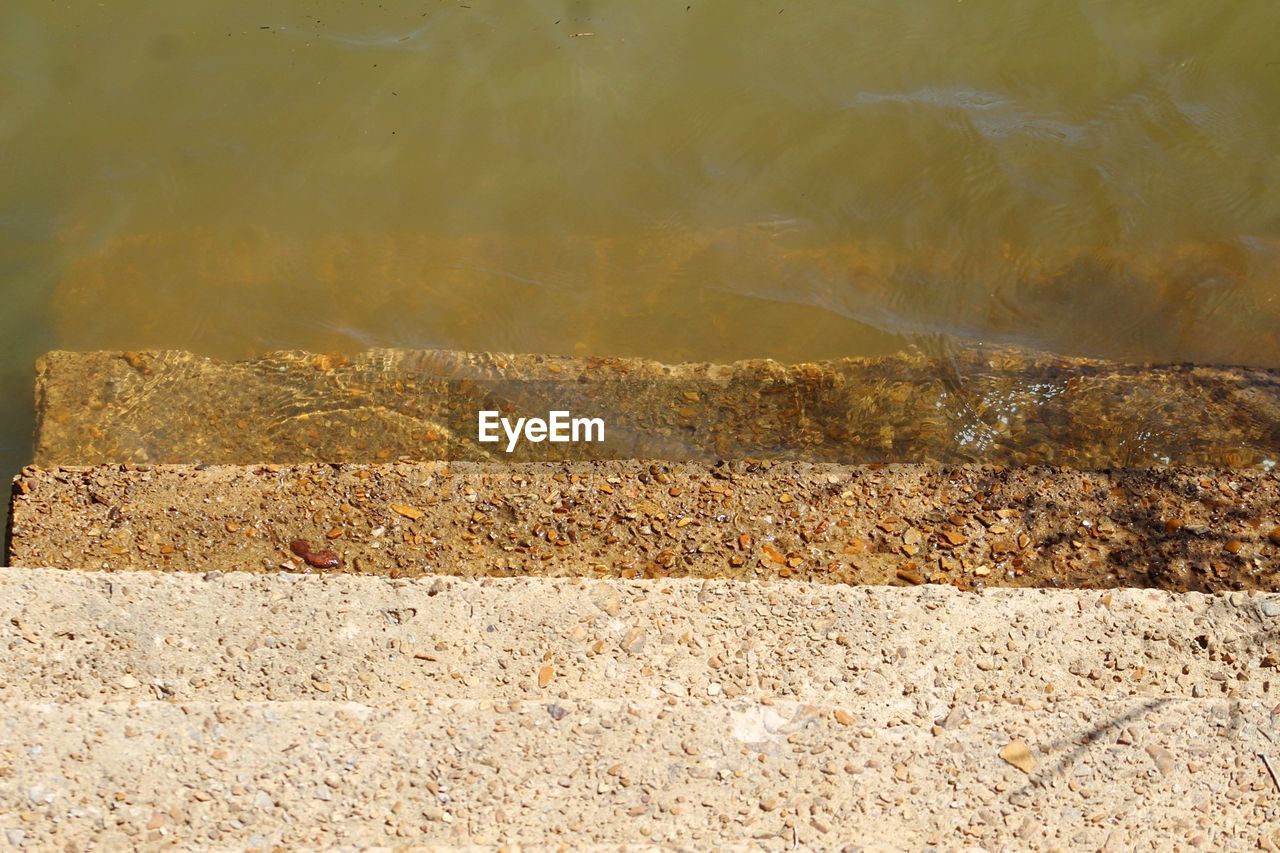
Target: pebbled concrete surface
{"x":969,"y":526}
{"x":1136,"y":774}
{"x":147,"y":710}
{"x":70,"y":636}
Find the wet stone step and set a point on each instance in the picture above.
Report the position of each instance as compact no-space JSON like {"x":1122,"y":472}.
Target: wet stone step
{"x":184,"y":636}
{"x":984,"y":405}
{"x":971,"y":526}
{"x":1149,"y":774}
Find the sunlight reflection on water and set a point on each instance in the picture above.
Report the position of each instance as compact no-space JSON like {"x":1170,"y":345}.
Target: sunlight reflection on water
{"x":704,"y":180}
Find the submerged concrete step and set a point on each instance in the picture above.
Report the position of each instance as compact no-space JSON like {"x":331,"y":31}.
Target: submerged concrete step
{"x":612,"y":289}
{"x":921,"y":651}
{"x":1138,"y":773}
{"x":993,"y":405}
{"x":1177,"y":528}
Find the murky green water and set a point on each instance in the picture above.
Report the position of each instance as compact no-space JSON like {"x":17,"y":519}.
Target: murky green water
{"x":678,"y":180}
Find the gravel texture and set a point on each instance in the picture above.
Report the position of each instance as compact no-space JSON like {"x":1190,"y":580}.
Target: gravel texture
{"x":1122,"y":775}
{"x":969,"y":526}
{"x":103,"y":636}
{"x":623,"y":651}
{"x":146,"y":710}
{"x":983,"y":405}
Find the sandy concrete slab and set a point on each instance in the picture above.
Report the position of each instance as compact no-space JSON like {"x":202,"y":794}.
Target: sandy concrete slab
{"x":1077,"y":773}
{"x":970,"y":526}
{"x":924,"y":651}
{"x":983,"y":405}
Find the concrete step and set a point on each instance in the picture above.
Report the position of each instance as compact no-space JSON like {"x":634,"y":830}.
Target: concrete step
{"x":970,"y":526}
{"x":995,"y":405}
{"x":1125,"y":774}
{"x":917,"y":652}
{"x":147,"y":709}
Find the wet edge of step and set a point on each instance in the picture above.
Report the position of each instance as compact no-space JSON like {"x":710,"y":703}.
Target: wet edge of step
{"x":994,"y":405}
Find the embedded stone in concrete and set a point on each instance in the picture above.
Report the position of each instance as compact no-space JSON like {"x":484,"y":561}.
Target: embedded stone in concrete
{"x":216,"y":709}
{"x":969,"y":526}
{"x":1122,"y":774}
{"x":73,"y":635}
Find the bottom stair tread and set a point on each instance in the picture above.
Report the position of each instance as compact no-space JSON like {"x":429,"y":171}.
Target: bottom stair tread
{"x":1135,"y":772}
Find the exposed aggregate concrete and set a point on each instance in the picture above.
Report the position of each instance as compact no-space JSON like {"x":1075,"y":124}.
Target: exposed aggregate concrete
{"x":1141,"y":774}
{"x":629,"y":656}
{"x":971,"y":526}
{"x":147,"y":635}
{"x":149,"y":709}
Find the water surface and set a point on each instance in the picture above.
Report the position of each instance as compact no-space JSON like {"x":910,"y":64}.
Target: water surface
{"x":674,"y":180}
